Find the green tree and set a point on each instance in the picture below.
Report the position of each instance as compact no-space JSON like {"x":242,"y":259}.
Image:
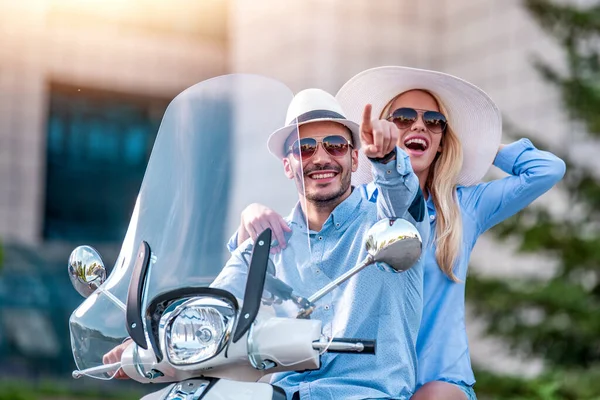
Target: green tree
{"x":556,"y":319}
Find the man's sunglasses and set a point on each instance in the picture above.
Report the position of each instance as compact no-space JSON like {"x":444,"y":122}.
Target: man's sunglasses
{"x":335,"y":146}
{"x":405,"y":117}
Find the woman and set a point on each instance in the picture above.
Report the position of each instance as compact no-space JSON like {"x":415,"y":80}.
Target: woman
{"x":451,"y":131}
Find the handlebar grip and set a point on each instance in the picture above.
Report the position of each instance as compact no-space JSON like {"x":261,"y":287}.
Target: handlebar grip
{"x":369,"y":346}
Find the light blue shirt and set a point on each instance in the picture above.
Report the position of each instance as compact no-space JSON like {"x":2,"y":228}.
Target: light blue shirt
{"x":375,"y":304}
{"x":442,"y":347}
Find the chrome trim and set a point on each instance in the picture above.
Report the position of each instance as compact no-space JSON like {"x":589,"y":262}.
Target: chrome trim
{"x":254,"y":356}
{"x":338,"y":346}
{"x":86,"y":270}
{"x":188,"y":390}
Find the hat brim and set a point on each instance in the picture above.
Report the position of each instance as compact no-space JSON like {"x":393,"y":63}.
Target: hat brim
{"x":473,"y":116}
{"x":277,"y":139}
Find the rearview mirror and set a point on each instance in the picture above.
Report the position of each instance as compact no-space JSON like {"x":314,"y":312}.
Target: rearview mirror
{"x":86,"y":270}
{"x":395,"y":242}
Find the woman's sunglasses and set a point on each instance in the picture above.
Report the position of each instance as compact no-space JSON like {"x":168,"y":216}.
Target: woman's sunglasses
{"x":335,"y":146}
{"x":405,"y":117}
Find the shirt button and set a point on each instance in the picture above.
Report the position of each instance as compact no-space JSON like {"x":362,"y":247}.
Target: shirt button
{"x":318,"y":271}
{"x":432,"y":217}
{"x":388,"y":172}
{"x":337,"y":225}
{"x":320,"y":237}
{"x":326,"y":307}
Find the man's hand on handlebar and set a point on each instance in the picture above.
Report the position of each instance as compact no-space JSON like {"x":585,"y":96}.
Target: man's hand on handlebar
{"x":114,"y":356}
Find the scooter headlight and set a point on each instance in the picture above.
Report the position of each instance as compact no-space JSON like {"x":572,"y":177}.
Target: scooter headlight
{"x":195,"y":330}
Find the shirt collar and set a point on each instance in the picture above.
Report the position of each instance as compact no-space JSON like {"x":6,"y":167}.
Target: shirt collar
{"x":340,"y":215}
{"x":430,"y":205}
{"x":297,"y":216}
{"x":370,"y":193}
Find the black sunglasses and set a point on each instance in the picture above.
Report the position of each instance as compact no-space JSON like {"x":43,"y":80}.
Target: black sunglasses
{"x":405,"y":117}
{"x":334,"y":145}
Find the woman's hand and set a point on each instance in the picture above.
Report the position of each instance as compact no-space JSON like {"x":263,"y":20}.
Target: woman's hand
{"x":378,"y":137}
{"x":256,"y":218}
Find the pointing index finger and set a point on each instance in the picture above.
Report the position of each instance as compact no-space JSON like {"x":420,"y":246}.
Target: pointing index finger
{"x":366,"y":120}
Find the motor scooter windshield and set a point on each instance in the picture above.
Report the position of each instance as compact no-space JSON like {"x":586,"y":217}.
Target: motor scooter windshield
{"x":209,"y":162}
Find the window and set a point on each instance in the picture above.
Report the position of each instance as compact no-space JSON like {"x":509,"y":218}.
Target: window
{"x":98,"y":145}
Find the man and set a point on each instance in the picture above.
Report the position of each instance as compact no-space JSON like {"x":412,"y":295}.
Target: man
{"x":320,"y":158}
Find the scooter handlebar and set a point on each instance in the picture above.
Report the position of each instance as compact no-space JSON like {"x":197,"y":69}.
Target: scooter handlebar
{"x":347,"y":345}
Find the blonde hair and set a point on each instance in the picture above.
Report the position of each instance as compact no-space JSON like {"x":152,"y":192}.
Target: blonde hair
{"x":441,"y":186}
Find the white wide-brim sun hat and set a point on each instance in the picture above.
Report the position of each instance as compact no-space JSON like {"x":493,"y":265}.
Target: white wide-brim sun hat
{"x":310,"y":105}
{"x":472,"y":115}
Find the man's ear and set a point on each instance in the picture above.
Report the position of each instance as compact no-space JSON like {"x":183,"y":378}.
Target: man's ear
{"x":354,"y":156}
{"x":287,"y":168}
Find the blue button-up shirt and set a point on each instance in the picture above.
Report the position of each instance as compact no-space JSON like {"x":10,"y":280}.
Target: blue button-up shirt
{"x":374,"y":304}
{"x":442,"y":347}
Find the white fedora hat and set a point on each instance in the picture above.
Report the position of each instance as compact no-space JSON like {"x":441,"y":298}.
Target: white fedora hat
{"x":472,"y":115}
{"x":310,"y":105}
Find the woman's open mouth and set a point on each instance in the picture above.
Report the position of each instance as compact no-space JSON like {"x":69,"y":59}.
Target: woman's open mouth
{"x":416,"y":145}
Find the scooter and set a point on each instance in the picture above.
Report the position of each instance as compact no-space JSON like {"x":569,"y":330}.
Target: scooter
{"x":211,"y":341}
